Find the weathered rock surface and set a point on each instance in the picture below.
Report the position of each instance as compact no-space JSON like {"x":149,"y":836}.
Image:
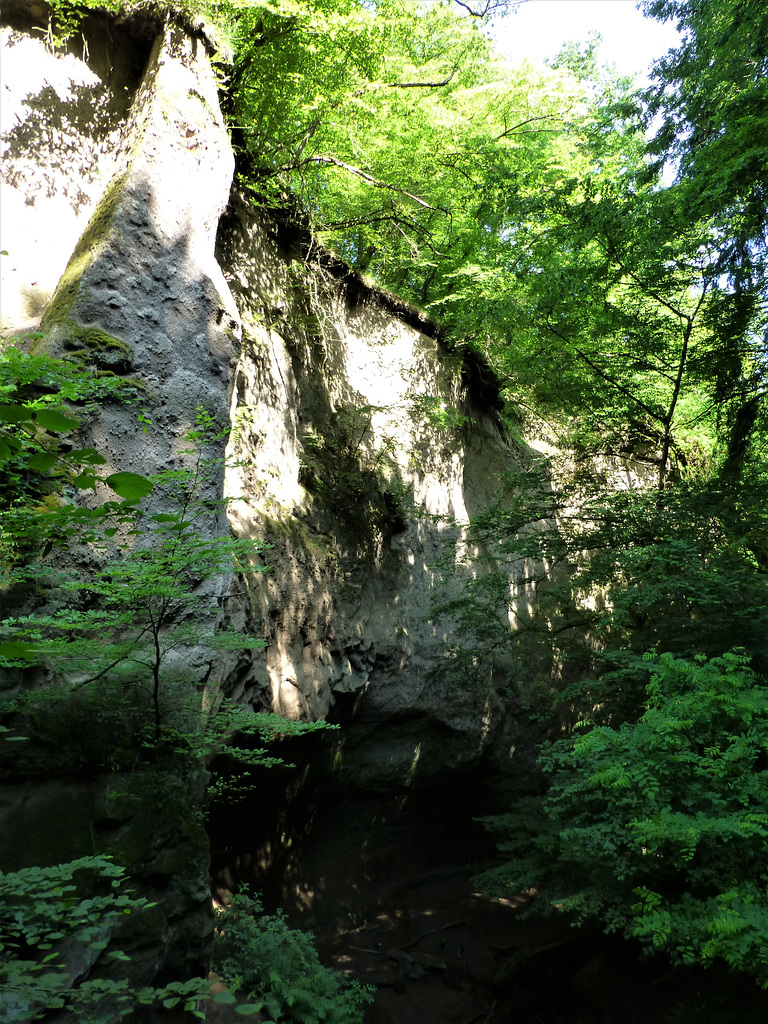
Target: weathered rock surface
{"x":366,"y":446}
{"x":142,"y":294}
{"x":62,"y":119}
{"x":136,"y":154}
{"x":362,"y":446}
{"x":362,"y":453}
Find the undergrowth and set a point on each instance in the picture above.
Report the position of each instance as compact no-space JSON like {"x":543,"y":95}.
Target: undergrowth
{"x":278,"y":969}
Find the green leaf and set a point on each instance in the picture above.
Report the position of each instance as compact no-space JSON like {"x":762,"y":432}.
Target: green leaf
{"x":224,"y":996}
{"x":246,"y":1009}
{"x":14,"y":650}
{"x":49,"y":419}
{"x":43,"y":461}
{"x":130,"y":486}
{"x":15,"y":414}
{"x":85,"y":481}
{"x":87,"y":456}
{"x":180,"y":528}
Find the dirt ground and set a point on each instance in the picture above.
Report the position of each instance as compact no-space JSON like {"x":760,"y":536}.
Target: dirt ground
{"x":387,"y":889}
{"x":388,"y":892}
{"x":439,"y":952}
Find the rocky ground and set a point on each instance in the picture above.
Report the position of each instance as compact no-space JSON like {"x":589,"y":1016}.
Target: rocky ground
{"x":439,"y":952}
{"x":388,"y":892}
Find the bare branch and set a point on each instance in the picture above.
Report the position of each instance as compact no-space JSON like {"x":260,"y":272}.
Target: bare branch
{"x":484,"y":9}
{"x":511,"y":131}
{"x":421,"y":85}
{"x":392,"y":218}
{"x":601,"y":373}
{"x":376,"y":182}
{"x":455,"y":167}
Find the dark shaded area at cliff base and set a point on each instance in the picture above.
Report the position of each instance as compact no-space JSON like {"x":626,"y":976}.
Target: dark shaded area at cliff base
{"x":385,"y":883}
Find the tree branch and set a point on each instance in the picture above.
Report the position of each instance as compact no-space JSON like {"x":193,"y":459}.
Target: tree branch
{"x":372,"y":87}
{"x":391,"y":218}
{"x":488,"y":7}
{"x":419,"y":85}
{"x":605,"y":376}
{"x":376,"y":182}
{"x":511,"y":131}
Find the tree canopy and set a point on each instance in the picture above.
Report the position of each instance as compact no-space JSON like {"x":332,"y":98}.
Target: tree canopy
{"x":523,"y":207}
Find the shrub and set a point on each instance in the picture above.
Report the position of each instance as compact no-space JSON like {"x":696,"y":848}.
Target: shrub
{"x":279,"y":969}
{"x":658,"y":829}
{"x":56,"y":927}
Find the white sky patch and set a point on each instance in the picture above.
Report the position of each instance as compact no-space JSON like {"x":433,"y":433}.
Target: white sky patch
{"x":538,"y":28}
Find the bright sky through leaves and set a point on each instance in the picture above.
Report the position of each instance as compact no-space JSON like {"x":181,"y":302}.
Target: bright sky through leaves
{"x":538,"y":28}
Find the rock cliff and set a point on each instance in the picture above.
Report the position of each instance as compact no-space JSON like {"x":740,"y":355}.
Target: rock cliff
{"x":362,"y":451}
{"x":359,"y":448}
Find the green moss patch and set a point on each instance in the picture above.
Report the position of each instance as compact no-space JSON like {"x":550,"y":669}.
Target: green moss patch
{"x":84,"y":254}
{"x":292,"y":532}
{"x":95,"y":346}
{"x":359,"y":490}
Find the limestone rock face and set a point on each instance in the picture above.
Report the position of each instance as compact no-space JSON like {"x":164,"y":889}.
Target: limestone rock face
{"x":362,"y":454}
{"x":360,"y":445}
{"x":142,"y":294}
{"x":365,"y":446}
{"x":61,"y":124}
{"x":136,"y":155}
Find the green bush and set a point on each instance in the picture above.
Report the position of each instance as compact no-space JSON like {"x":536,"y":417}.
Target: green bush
{"x":278,"y":968}
{"x":658,"y":829}
{"x":56,"y":929}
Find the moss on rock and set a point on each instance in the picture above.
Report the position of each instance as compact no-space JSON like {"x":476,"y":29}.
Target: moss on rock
{"x":88,"y":343}
{"x":94,"y":345}
{"x":84,"y":254}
